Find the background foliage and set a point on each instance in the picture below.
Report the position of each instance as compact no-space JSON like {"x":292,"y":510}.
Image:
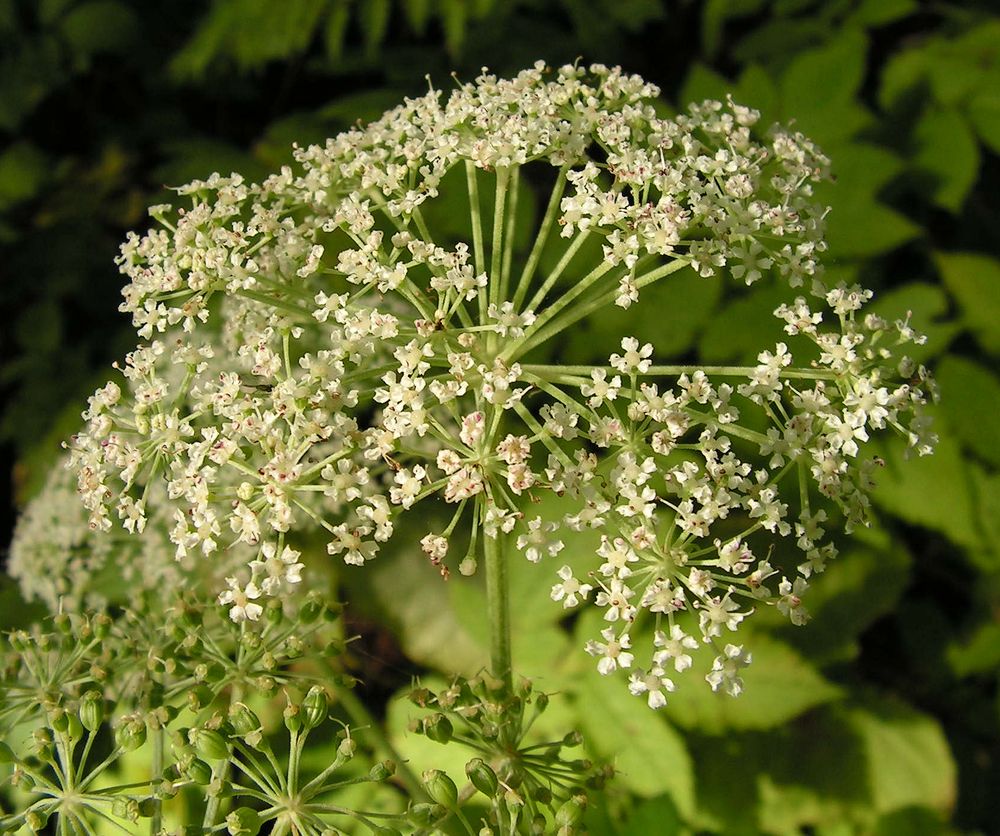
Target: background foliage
{"x":883,"y":716}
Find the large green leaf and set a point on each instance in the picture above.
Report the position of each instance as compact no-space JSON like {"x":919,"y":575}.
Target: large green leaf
{"x":927,"y":306}
{"x":974,"y":280}
{"x":647,"y":752}
{"x":932,"y":491}
{"x":778,"y":686}
{"x":984,"y":114}
{"x":909,"y":761}
{"x":948,"y":155}
{"x":970,"y":403}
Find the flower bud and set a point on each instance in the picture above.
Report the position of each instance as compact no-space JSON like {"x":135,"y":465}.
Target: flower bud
{"x":571,"y":811}
{"x":468,"y":567}
{"x":101,"y":625}
{"x":92,"y":711}
{"x":382,"y":770}
{"x":244,"y":720}
{"x":441,"y":788}
{"x":210,"y":744}
{"x":315,"y":707}
{"x":572,"y":739}
{"x":199,"y":697}
{"x":62,"y":623}
{"x":58,"y":719}
{"x":243,"y":822}
{"x":438,"y":728}
{"x":36,"y":821}
{"x":125,"y":808}
{"x":346,"y":748}
{"x":425,"y":815}
{"x":131,"y":734}
{"x":293,"y":717}
{"x":199,"y":772}
{"x":483,"y":777}
{"x":310,"y":610}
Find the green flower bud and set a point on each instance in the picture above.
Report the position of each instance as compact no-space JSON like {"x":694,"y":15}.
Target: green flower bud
{"x":310,"y":610}
{"x":315,"y":707}
{"x":346,"y":748}
{"x":243,"y":822}
{"x":441,"y":788}
{"x":101,"y":625}
{"x":571,"y":811}
{"x":274,"y":612}
{"x":483,"y":777}
{"x":210,"y":744}
{"x":147,"y":807}
{"x":293,"y":717}
{"x":382,"y":770}
{"x":59,"y":720}
{"x":438,"y":728}
{"x":92,"y":711}
{"x":74,"y":728}
{"x":244,"y":720}
{"x":425,"y":815}
{"x":199,"y":772}
{"x":62,"y":623}
{"x":125,"y":808}
{"x":572,"y":739}
{"x":468,"y":567}
{"x":131,"y":734}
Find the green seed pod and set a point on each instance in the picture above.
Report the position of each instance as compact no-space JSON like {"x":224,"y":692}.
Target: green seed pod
{"x":346,"y":748}
{"x":244,"y":720}
{"x":131,"y":734}
{"x":58,"y":719}
{"x":293,"y":717}
{"x":6,"y":753}
{"x":310,"y":610}
{"x":315,"y":707}
{"x":441,"y":788}
{"x":92,"y":711}
{"x":274,"y":612}
{"x":382,"y":770}
{"x":210,"y":744}
{"x":483,"y":777}
{"x":438,"y":728}
{"x":425,"y":815}
{"x":199,"y":772}
{"x":539,"y":827}
{"x":74,"y":728}
{"x":148,"y":807}
{"x":243,"y":822}
{"x":571,"y":811}
{"x":199,"y":697}
{"x":63,"y":623}
{"x":125,"y":808}
{"x":572,"y":739}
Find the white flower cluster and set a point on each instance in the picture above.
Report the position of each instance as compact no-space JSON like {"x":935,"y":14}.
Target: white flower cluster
{"x":363,"y":367}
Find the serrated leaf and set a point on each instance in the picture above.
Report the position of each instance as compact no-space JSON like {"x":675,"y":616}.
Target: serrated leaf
{"x":649,"y":755}
{"x":970,"y":403}
{"x":820,"y":77}
{"x":909,"y":761}
{"x":778,"y":686}
{"x":927,"y":305}
{"x":932,"y":491}
{"x":947,"y":153}
{"x":974,"y":280}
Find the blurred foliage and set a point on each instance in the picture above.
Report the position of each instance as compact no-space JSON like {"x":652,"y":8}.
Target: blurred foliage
{"x":883,"y":716}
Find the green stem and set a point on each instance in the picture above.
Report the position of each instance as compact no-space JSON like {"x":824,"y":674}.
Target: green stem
{"x":543,"y":236}
{"x":548,"y":372}
{"x":155,"y":821}
{"x":498,"y":609}
{"x":477,"y":230}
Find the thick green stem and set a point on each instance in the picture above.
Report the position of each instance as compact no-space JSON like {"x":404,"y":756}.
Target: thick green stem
{"x":498,"y":610}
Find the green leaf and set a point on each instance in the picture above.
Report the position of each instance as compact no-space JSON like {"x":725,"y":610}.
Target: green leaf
{"x":101,"y":26}
{"x":657,"y":815}
{"x":927,"y":305}
{"x":703,"y":83}
{"x":861,"y":227}
{"x":454,"y":19}
{"x":974,"y":280}
{"x":910,"y":763}
{"x":335,"y":30}
{"x":948,"y":153}
{"x":417,"y":14}
{"x":984,"y":114}
{"x":970,"y":403}
{"x":647,"y":752}
{"x":778,"y":686}
{"x":980,"y":653}
{"x":914,"y":489}
{"x":716,"y":14}
{"x":374,"y":18}
{"x":744,"y":327}
{"x":23,"y":171}
{"x":874,"y":13}
{"x":669,"y":315}
{"x":831,"y":74}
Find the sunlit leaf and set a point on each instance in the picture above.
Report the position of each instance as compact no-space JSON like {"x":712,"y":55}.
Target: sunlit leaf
{"x":779,"y":685}
{"x":909,"y":759}
{"x":973,"y":280}
{"x":948,"y":153}
{"x":971,"y":405}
